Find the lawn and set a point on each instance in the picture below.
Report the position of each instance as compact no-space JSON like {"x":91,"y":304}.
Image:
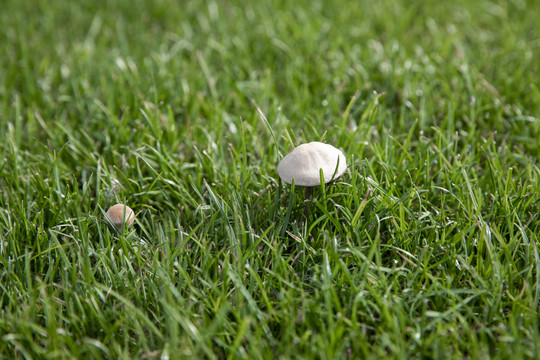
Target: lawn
{"x":427,"y":247}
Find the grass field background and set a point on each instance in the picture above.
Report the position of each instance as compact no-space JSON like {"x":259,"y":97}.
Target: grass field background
{"x":426,"y":248}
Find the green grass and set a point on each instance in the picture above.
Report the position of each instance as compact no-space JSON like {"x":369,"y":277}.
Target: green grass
{"x":426,"y":248}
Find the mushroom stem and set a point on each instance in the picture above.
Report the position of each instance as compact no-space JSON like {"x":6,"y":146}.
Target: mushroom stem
{"x":307,"y":196}
{"x":308,"y":192}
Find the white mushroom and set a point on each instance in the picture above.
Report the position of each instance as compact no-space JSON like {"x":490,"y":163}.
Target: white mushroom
{"x":305,"y":162}
{"x":119,"y":214}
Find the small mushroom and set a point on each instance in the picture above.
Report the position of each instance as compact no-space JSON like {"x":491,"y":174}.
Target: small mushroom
{"x":305,"y":163}
{"x":119,"y":214}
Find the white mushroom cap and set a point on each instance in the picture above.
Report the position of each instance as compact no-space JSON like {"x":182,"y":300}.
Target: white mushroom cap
{"x":116,"y":212}
{"x":305,"y":161}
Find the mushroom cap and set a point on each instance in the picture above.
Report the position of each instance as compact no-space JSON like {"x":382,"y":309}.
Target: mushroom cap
{"x":305,"y":161}
{"x":116,"y":212}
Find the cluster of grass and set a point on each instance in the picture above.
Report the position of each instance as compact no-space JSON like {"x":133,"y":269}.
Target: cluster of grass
{"x":426,"y":248}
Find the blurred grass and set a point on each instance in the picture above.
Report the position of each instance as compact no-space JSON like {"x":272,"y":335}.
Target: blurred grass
{"x":426,"y":248}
